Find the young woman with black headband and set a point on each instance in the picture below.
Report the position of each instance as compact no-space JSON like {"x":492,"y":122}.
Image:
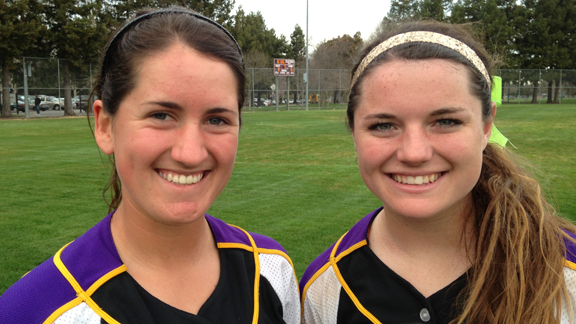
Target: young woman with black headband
{"x":463,"y":234}
{"x":168,"y":114}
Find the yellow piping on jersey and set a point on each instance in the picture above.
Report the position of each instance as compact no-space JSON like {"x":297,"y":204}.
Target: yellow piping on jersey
{"x":328,"y":264}
{"x":83,"y":295}
{"x":570,"y":264}
{"x":256,"y":276}
{"x":353,"y":297}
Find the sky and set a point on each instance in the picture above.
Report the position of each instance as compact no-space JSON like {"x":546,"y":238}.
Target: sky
{"x":327,"y":19}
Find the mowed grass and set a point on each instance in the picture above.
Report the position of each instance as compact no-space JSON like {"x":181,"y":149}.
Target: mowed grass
{"x":295,"y":179}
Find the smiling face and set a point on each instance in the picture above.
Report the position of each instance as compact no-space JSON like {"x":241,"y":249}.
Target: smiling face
{"x":174,"y":137}
{"x":419,"y":135}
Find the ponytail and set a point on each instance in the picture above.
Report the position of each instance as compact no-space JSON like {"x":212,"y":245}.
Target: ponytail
{"x":518,"y":256}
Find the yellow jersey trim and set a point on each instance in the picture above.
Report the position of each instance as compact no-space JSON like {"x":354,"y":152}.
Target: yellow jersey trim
{"x":353,"y":297}
{"x":310,"y":282}
{"x":259,"y":250}
{"x":570,"y":264}
{"x":256,"y":275}
{"x":64,"y":308}
{"x":82,"y":295}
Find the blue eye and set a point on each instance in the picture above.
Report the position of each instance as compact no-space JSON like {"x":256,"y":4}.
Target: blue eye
{"x":381,"y":127}
{"x":448,"y":122}
{"x":160,"y":116}
{"x":215,"y":121}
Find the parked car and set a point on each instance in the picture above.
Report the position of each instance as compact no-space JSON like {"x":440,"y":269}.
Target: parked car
{"x":50,"y":103}
{"x":18,"y":107}
{"x":82,"y":101}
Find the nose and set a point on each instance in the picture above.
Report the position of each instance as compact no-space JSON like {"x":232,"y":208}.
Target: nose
{"x":415,"y":147}
{"x":190,"y":145}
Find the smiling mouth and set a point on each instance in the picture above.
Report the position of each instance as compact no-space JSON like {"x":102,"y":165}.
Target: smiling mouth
{"x":181,"y":179}
{"x":417,"y":180}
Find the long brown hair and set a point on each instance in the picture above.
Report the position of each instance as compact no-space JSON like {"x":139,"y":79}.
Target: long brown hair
{"x":139,"y":38}
{"x":519,"y":252}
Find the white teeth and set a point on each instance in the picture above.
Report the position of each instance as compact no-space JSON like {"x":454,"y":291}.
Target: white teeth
{"x":182,"y":179}
{"x":418,"y":180}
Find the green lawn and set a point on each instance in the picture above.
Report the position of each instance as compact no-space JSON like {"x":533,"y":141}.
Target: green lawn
{"x":295,"y":179}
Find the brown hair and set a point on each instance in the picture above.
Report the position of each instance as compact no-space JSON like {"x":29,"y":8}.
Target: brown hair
{"x":149,"y":32}
{"x":517,"y":270}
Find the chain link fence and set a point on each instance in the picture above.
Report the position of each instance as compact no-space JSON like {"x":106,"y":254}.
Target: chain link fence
{"x":327,"y":89}
{"x":538,"y":86}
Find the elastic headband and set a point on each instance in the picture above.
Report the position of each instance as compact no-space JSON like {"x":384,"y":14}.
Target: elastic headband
{"x":424,"y":37}
{"x":145,"y":16}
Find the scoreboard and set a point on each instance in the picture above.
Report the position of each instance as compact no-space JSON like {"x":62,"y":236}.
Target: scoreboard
{"x":284,"y":67}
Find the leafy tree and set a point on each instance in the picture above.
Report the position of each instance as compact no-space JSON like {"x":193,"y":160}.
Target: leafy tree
{"x":218,"y":10}
{"x":76,"y":34}
{"x":19,"y":30}
{"x":297,"y":44}
{"x":338,"y":53}
{"x":547,"y":41}
{"x":252,"y":34}
{"x":404,"y":9}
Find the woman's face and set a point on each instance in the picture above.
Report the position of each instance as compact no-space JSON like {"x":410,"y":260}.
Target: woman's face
{"x":175,"y":135}
{"x":419,"y":135}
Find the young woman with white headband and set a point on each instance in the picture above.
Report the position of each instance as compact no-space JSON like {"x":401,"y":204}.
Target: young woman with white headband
{"x":463,"y":234}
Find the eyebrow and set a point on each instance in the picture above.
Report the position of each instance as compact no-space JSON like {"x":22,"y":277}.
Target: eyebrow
{"x":445,"y":111}
{"x":166,"y":104}
{"x":379,"y":116}
{"x":175,"y":106}
{"x":442,"y":111}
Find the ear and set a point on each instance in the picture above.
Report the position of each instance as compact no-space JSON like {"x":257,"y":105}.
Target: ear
{"x":103,"y":128}
{"x":488,"y":123}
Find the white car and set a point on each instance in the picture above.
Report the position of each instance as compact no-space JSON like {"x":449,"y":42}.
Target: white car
{"x":51,"y":103}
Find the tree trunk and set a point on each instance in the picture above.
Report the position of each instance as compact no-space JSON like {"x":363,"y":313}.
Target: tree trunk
{"x":549,"y":100}
{"x":535,"y":93}
{"x":68,"y":111}
{"x":557,"y":92}
{"x":67,"y":89}
{"x":6,"y":112}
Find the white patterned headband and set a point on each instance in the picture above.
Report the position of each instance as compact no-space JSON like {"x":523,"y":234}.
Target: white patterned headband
{"x":424,"y":37}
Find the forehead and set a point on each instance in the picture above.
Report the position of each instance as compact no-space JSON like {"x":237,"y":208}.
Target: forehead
{"x":417,"y":84}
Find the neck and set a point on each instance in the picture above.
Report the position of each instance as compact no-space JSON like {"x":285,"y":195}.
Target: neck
{"x":420,"y":237}
{"x":141,"y":240}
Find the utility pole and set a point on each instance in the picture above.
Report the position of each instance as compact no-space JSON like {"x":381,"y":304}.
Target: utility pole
{"x":306,"y":78}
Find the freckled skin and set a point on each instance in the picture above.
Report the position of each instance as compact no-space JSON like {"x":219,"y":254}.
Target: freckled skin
{"x":147,"y":135}
{"x":413,"y":103}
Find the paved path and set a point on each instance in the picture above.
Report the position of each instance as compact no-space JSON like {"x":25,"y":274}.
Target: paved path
{"x":47,"y":113}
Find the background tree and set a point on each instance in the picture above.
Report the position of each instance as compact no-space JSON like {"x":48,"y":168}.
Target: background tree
{"x":338,"y":53}
{"x":297,"y":45}
{"x":20,"y":28}
{"x":218,"y":10}
{"x":76,"y":34}
{"x":251,"y":34}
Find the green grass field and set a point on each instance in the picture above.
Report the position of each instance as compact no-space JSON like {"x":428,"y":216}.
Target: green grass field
{"x":295,"y":179}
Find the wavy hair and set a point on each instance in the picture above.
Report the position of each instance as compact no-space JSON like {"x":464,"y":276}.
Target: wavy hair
{"x":519,"y":248}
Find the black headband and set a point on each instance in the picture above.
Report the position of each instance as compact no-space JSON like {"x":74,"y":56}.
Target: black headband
{"x":140,"y":18}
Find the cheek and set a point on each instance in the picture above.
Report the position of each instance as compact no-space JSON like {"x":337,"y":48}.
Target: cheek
{"x":225,"y":149}
{"x":371,"y":155}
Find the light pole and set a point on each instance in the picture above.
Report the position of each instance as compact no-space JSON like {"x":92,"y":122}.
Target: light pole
{"x":306,"y":99}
